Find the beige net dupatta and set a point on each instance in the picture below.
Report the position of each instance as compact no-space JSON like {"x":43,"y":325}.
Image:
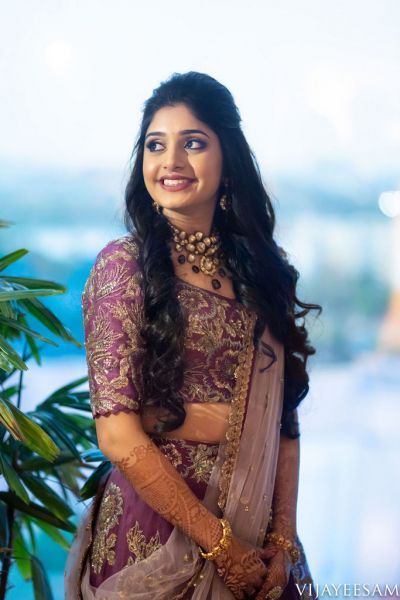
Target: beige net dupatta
{"x":240,"y":488}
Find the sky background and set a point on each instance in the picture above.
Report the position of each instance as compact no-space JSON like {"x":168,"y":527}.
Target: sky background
{"x":314,"y":80}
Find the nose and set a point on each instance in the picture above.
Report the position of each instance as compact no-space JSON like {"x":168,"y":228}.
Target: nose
{"x":173,"y":157}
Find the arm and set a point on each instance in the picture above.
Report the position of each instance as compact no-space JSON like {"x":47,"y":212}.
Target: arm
{"x":123,"y":440}
{"x":284,"y":509}
{"x":284,"y":503}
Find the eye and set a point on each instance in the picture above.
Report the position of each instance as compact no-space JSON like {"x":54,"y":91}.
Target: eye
{"x":150,"y":146}
{"x":201,"y":144}
{"x":197,"y":141}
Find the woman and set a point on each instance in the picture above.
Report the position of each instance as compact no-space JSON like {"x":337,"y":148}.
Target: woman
{"x":196,"y":368}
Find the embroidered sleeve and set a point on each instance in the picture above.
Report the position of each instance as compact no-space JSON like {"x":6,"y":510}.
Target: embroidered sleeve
{"x":112,"y":317}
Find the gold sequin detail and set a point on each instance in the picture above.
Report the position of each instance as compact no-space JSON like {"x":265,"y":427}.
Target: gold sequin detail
{"x":111,"y":509}
{"x":138,"y":544}
{"x":202,"y":458}
{"x":237,"y":412}
{"x":215,"y":333}
{"x":113,"y":316}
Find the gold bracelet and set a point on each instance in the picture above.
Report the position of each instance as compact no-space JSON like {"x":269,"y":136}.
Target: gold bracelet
{"x":222,"y":544}
{"x":286,"y":544}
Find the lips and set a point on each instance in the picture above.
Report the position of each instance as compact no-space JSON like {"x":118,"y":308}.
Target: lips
{"x":180,"y":183}
{"x":175,"y":177}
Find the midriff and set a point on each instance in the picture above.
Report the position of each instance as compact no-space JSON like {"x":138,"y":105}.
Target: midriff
{"x":204,"y":422}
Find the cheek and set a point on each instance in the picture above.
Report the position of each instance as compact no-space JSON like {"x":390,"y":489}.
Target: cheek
{"x":210,"y":169}
{"x":148,"y":172}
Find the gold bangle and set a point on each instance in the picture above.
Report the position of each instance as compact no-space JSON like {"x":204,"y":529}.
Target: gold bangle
{"x":222,"y":544}
{"x":285,"y":543}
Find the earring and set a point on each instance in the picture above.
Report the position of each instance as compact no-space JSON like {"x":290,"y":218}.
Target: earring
{"x":157,"y":207}
{"x":225,"y":202}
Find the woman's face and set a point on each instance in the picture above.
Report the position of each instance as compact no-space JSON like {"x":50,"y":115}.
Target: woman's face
{"x":172,"y":148}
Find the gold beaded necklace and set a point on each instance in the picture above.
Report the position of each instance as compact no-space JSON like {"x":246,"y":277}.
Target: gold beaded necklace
{"x":208,"y":247}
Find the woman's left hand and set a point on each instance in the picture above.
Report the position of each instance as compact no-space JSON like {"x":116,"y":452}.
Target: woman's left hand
{"x":278,"y":572}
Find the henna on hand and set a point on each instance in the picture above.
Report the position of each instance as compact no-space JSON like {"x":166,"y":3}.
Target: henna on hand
{"x":160,"y":485}
{"x":241,"y":569}
{"x":284,"y":502}
{"x":278,"y":572}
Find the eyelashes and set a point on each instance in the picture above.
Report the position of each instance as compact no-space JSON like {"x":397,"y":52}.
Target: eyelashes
{"x":150,"y":144}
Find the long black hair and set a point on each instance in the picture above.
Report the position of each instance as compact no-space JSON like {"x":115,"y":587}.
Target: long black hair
{"x":263,"y":280}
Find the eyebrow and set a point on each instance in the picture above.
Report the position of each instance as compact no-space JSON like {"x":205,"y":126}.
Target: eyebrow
{"x":183,"y":132}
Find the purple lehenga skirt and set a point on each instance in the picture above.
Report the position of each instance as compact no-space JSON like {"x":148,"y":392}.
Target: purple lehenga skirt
{"x":125,"y":530}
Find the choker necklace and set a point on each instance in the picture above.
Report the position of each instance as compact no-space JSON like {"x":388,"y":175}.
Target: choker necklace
{"x":207,"y":247}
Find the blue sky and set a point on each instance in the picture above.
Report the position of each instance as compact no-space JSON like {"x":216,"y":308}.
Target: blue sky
{"x":315,"y":81}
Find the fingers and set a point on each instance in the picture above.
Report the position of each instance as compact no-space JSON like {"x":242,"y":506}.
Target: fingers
{"x":270,"y":593}
{"x":267,"y":552}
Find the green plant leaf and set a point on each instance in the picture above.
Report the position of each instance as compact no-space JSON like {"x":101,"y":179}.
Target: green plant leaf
{"x":38,"y":310}
{"x":28,"y":522}
{"x":14,"y":324}
{"x":9,"y":295}
{"x":82,"y":426}
{"x":34,"y":349}
{"x":8,"y":420}
{"x":53,"y":533}
{"x":8,"y":392}
{"x":41,"y":585}
{"x":22,"y":555}
{"x":33,"y":435}
{"x":48,"y":497}
{"x":37,"y":511}
{"x":50,"y":424}
{"x":66,"y":388}
{"x":13,"y":479}
{"x":7,"y":310}
{"x":33,"y":284}
{"x":4,"y":529}
{"x":91,"y":485}
{"x":7,"y":260}
{"x":10,"y":357}
{"x":37,"y":463}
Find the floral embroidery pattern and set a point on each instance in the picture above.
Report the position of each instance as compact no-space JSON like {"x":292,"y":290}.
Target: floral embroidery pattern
{"x":138,"y":544}
{"x":111,"y":509}
{"x":112,"y":322}
{"x":214,"y":338}
{"x":192,"y":460}
{"x":201,"y":462}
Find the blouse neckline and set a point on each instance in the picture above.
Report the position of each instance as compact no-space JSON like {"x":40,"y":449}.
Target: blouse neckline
{"x":201,"y":289}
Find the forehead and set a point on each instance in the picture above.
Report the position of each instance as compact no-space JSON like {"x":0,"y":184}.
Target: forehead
{"x":171,"y":119}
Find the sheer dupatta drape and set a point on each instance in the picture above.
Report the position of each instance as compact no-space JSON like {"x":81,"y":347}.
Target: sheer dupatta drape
{"x":240,"y":488}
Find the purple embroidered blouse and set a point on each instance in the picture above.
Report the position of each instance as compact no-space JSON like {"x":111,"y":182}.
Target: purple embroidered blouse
{"x":113,"y":316}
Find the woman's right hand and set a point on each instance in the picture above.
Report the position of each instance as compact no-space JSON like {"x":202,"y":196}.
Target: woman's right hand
{"x":241,"y":569}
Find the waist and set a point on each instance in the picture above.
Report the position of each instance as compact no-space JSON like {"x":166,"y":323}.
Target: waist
{"x":204,"y":422}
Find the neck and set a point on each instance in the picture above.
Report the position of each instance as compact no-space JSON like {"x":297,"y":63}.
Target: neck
{"x":189,"y":223}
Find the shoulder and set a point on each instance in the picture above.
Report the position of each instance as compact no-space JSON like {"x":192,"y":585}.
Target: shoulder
{"x":122,"y":249}
{"x":115,"y":269}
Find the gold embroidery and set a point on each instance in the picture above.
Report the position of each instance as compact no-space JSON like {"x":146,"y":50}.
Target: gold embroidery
{"x":197,"y":460}
{"x":111,"y":509}
{"x":215,"y":332}
{"x":237,"y":412}
{"x":202,"y":458}
{"x":138,"y":544}
{"x":113,"y":317}
{"x":172,"y":453}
